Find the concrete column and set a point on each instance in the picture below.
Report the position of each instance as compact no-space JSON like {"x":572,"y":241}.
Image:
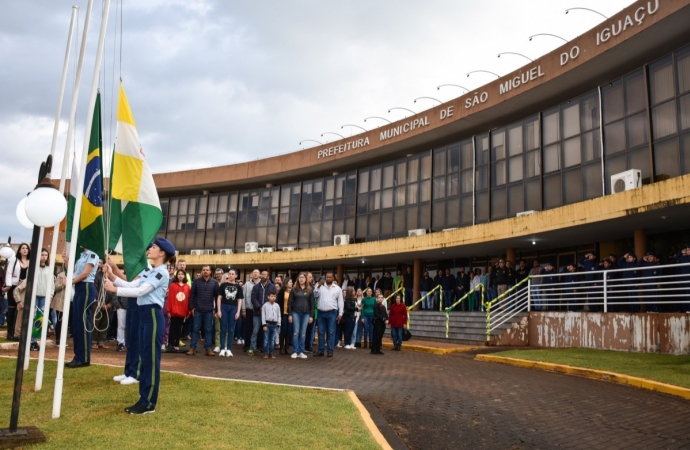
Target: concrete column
{"x":510,"y":255}
{"x":339,"y":274}
{"x":417,"y":283}
{"x":640,"y":237}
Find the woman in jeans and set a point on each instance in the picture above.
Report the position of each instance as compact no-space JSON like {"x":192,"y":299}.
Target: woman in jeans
{"x":397,"y":319}
{"x":359,"y":326}
{"x":283,"y":300}
{"x":368,"y":303}
{"x":349,"y":314}
{"x":300,"y":313}
{"x":16,"y":271}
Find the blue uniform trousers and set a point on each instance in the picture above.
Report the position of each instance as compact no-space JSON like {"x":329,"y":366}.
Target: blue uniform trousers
{"x":151,"y":327}
{"x":133,"y":359}
{"x":84,"y":294}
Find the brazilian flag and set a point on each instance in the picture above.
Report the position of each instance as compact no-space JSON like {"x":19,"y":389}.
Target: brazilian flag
{"x":38,"y":323}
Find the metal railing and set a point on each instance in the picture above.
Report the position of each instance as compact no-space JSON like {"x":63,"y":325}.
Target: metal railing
{"x":506,"y":306}
{"x":478,"y":288}
{"x":635,"y":289}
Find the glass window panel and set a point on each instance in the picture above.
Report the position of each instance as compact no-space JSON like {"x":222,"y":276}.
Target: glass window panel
{"x":664,"y":121}
{"x":515,"y":140}
{"x":350,"y":226}
{"x":292,"y":234}
{"x":613,"y":166}
{"x":453,"y":158}
{"x":683,"y":64}
{"x":667,"y":159}
{"x":192,"y":205}
{"x":482,"y":150}
{"x":202,"y":204}
{"x":315,"y":232}
{"x":572,"y":186}
{"x":374,"y":201}
{"x":635,"y":92}
{"x":532,"y":133}
{"x":174,"y":203}
{"x":466,"y":210}
{"x":466,"y":155}
{"x":453,"y":184}
{"x":363,"y":181}
{"x":499,"y":205}
{"x":231,"y":219}
{"x":516,"y":200}
{"x":412,"y":191}
{"x":613,"y":102}
{"x":252,"y":218}
{"x":661,"y":81}
{"x":424,"y":216}
{"x":226,"y":201}
{"x":639,"y":159}
{"x":551,"y":127}
{"x":498,"y":148}
{"x":387,"y":222}
{"x":330,"y":188}
{"x":317,"y":194}
{"x":439,"y":161}
{"x":327,"y":230}
{"x":265,"y":199}
{"x":532,"y":164}
{"x":589,"y":111}
{"x":349,"y":205}
{"x":201,"y":222}
{"x":515,"y":169}
{"x":294,"y":214}
{"x":637,"y":129}
{"x":400,"y":196}
{"x":387,"y":198}
{"x":350,"y":183}
{"x":426,"y":167}
{"x":452,"y":213}
{"x":339,"y":186}
{"x":182,"y":222}
{"x":241,"y":219}
{"x":183,"y":206}
{"x":304,"y":235}
{"x":685,"y":153}
{"x":552,"y":191}
{"x":275,"y":197}
{"x":412,"y":219}
{"x":438,"y":221}
{"x":306,"y":213}
{"x":482,"y":178}
{"x":373,"y":225}
{"x":362,"y":201}
{"x":614,"y":138}
{"x":284,"y":195}
{"x":399,"y":221}
{"x":466,"y":181}
{"x":172,"y":223}
{"x":375,"y":184}
{"x":591,"y":146}
{"x":552,"y":158}
{"x":533,"y":194}
{"x":401,"y":173}
{"x":439,"y":187}
{"x":571,"y":120}
{"x":362,"y":226}
{"x":316,"y":211}
{"x":282,"y":236}
{"x":571,"y":152}
{"x":498,"y":174}
{"x":482,"y":207}
{"x":285,"y":214}
{"x":425,"y":191}
{"x":306,"y":192}
{"x":592,"y":181}
{"x":684,"y":112}
{"x":328,"y":209}
{"x":413,"y":170}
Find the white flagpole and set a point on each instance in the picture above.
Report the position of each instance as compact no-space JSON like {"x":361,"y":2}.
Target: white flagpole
{"x":56,"y":127}
{"x":59,"y":380}
{"x":65,"y":164}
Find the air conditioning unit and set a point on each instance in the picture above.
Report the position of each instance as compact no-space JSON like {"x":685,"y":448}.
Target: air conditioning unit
{"x":625,"y":181}
{"x":195,"y":252}
{"x":227,"y":251}
{"x":417,"y":232}
{"x":525,"y":213}
{"x":288,"y":249}
{"x":341,"y":239}
{"x":266,"y":249}
{"x":207,"y":252}
{"x":251,"y":247}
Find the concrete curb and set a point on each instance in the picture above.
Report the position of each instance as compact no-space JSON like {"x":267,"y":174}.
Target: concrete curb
{"x":591,"y":373}
{"x":366,"y":417}
{"x":434,"y":350}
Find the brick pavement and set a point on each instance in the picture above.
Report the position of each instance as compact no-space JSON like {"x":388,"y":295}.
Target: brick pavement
{"x":452,"y":401}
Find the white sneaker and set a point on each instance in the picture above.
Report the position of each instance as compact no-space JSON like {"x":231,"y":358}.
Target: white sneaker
{"x":163,"y":347}
{"x":302,"y":356}
{"x":129,"y":380}
{"x":339,"y":346}
{"x":216,"y":350}
{"x":119,"y":378}
{"x":293,"y":356}
{"x":228,"y":353}
{"x":222,"y":353}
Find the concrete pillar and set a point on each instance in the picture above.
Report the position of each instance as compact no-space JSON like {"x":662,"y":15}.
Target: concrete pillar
{"x":417,"y":283}
{"x":510,"y":255}
{"x":339,"y":274}
{"x":640,"y":237}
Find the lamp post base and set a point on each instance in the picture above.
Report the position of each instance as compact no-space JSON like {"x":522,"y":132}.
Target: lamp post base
{"x":20,"y":438}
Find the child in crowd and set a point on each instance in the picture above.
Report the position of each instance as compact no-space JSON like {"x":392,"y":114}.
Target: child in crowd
{"x":270,"y":318}
{"x":397,"y":319}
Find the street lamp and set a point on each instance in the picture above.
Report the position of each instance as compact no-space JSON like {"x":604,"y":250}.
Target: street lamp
{"x":404,"y":109}
{"x":586,"y":9}
{"x":514,"y":53}
{"x":43,"y":215}
{"x":548,"y":34}
{"x":356,"y":126}
{"x":310,"y":140}
{"x":429,"y":98}
{"x":484,"y":71}
{"x":6,"y":251}
{"x":330,"y":132}
{"x":21,"y":215}
{"x":438,"y":88}
{"x":377,"y":117}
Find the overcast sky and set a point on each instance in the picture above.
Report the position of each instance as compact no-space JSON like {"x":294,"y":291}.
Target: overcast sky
{"x":220,"y":82}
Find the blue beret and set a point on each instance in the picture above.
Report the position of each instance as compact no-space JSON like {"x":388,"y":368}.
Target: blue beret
{"x":165,"y":245}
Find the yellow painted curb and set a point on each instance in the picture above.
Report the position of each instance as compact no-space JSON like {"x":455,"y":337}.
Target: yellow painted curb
{"x":642,"y":383}
{"x":435,"y":350}
{"x":366,"y":417}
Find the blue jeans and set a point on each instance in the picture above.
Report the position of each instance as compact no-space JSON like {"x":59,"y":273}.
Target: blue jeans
{"x":359,"y":327}
{"x":368,"y":329}
{"x":3,"y":309}
{"x":256,"y":321}
{"x":426,"y":303}
{"x":447,"y":298}
{"x":397,"y":335}
{"x":299,"y":327}
{"x":349,"y":326}
{"x":205,"y":318}
{"x":535,"y":298}
{"x":270,"y":338}
{"x":326,"y":322}
{"x":239,"y":327}
{"x":227,"y":325}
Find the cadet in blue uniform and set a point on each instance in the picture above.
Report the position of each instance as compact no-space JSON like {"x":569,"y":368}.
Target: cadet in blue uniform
{"x":84,"y":295}
{"x":150,"y":291}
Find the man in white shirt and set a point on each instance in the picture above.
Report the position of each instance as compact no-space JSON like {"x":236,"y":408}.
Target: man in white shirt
{"x":330,"y":305}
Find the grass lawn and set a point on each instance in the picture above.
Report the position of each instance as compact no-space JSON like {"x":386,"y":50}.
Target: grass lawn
{"x":669,"y":369}
{"x":191,"y":413}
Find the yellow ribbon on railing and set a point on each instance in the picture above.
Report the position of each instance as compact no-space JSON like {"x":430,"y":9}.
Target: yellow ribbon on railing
{"x":488,"y":305}
{"x":393,"y":294}
{"x":409,"y":308}
{"x":450,"y":308}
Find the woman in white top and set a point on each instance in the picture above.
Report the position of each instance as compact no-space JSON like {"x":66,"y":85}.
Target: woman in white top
{"x":359,"y":326}
{"x":17,"y":269}
{"x":44,"y":287}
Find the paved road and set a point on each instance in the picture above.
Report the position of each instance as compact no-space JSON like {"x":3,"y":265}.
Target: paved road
{"x":452,"y":401}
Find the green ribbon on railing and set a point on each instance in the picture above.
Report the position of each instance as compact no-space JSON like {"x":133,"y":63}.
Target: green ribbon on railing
{"x":393,"y":294}
{"x":450,"y":308}
{"x":409,"y":308}
{"x":487,"y":306}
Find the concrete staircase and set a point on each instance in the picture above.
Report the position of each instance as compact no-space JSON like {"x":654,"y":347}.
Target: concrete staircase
{"x":465,"y":327}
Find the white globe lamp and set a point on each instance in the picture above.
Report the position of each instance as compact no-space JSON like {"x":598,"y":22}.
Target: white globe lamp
{"x":21,"y":215}
{"x":6,"y":252}
{"x":45,"y":207}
